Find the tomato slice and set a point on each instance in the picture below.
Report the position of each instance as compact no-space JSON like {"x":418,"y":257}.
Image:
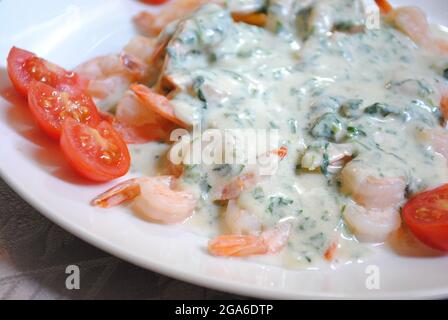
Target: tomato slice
{"x":24,"y":67}
{"x":426,"y":215}
{"x":50,"y":107}
{"x":99,"y":154}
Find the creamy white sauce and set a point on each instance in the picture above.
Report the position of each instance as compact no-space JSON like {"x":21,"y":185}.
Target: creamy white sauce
{"x":280,"y":78}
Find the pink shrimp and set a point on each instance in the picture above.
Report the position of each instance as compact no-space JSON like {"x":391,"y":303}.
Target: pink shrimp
{"x":138,"y":123}
{"x":372,"y":225}
{"x":384,"y":5}
{"x":141,"y":48}
{"x":238,"y":185}
{"x":152,"y":24}
{"x":372,"y":192}
{"x":338,"y":156}
{"x":120,"y":193}
{"x":248,"y":180}
{"x":437,"y":139}
{"x":241,"y":221}
{"x":268,"y":242}
{"x":330,"y":253}
{"x":157,"y":103}
{"x":376,"y":213}
{"x":413,"y":22}
{"x":110,"y":76}
{"x":160,"y":202}
{"x":444,"y":106}
{"x":154,"y":199}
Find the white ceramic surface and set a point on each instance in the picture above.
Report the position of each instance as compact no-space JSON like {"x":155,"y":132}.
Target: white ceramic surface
{"x":69,"y":32}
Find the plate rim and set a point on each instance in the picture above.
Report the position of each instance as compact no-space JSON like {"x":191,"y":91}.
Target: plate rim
{"x":202,"y":280}
{"x":241,"y":288}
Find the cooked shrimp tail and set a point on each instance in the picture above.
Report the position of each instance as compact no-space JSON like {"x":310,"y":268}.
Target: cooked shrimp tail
{"x":271,"y":241}
{"x":384,"y":5}
{"x":161,"y":202}
{"x":122,"y":192}
{"x":154,"y":199}
{"x":157,"y":103}
{"x":237,"y":246}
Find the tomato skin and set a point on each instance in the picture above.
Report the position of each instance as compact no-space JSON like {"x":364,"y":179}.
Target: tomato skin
{"x":426,"y":215}
{"x":25,"y":67}
{"x":50,"y":107}
{"x":98,"y":154}
{"x":16,"y":65}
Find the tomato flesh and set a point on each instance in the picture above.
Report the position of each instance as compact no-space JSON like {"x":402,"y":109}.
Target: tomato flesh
{"x":25,"y":67}
{"x":426,"y":215}
{"x":99,"y":154}
{"x":50,"y":107}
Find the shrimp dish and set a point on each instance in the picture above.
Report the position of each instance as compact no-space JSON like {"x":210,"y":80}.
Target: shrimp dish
{"x":311,"y":131}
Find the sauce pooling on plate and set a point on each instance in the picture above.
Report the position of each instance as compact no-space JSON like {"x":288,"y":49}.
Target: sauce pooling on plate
{"x":357,"y":111}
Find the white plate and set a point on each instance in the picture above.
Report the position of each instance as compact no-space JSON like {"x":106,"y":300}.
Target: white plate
{"x":69,"y":32}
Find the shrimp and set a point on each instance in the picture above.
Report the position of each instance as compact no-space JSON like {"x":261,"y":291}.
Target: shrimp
{"x":240,"y":221}
{"x":384,"y":5}
{"x":246,"y":6}
{"x":444,"y":106}
{"x":372,"y":225}
{"x":376,"y":213}
{"x":157,"y":103}
{"x":413,"y":22}
{"x":111,"y":75}
{"x":268,"y":242}
{"x":248,"y":235}
{"x":437,"y":139}
{"x":141,"y":47}
{"x":372,"y":192}
{"x":139,"y":124}
{"x":338,"y":155}
{"x":237,"y":185}
{"x":120,"y":193}
{"x":160,"y":202}
{"x":248,"y":180}
{"x":152,"y":24}
{"x":281,"y":152}
{"x":154,"y":199}
{"x":256,"y":19}
{"x":330,"y":253}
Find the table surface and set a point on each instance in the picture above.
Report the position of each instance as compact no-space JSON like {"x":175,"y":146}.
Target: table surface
{"x":34,"y":255}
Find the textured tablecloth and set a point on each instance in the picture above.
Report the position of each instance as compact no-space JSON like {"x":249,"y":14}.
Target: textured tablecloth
{"x":34,"y":255}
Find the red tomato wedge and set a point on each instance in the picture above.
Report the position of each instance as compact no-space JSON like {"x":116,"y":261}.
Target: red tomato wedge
{"x":24,"y":67}
{"x":426,"y":215}
{"x":99,"y":154}
{"x":50,"y":107}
